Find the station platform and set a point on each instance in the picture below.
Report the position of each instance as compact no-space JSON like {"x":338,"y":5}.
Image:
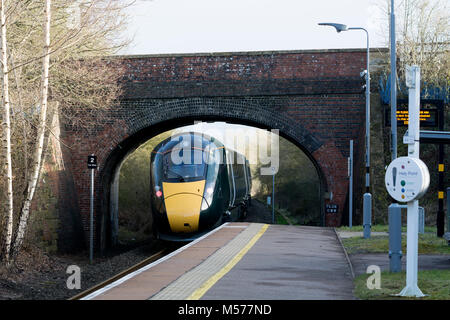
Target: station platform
{"x":250,"y":261}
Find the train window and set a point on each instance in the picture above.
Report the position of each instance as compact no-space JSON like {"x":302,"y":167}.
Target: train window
{"x":238,"y":167}
{"x":213,"y":167}
{"x":185,"y":171}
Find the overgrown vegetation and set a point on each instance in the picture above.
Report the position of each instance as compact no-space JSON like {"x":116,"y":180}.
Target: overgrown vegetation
{"x":422,"y":34}
{"x":297,"y":185}
{"x":52,"y":68}
{"x":135,"y":216}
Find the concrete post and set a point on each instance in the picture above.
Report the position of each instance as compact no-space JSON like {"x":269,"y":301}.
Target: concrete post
{"x":395,"y":237}
{"x":350,"y":197}
{"x":367,"y":214}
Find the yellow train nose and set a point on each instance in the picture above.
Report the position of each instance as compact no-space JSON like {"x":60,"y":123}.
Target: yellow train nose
{"x":183,"y":201}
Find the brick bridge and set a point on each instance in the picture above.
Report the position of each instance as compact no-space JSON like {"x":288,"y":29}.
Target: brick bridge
{"x":313,"y":97}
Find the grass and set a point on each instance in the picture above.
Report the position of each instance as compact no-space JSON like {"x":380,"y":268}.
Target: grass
{"x":434,"y":283}
{"x":428,"y":244}
{"x":279,"y":219}
{"x":381,"y":228}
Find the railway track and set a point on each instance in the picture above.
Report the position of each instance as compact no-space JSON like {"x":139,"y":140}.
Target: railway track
{"x":154,"y":257}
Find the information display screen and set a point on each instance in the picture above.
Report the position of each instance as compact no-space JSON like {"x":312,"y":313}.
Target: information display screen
{"x":428,"y":117}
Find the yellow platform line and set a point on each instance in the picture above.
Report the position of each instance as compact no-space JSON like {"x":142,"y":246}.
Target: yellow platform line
{"x":197,"y":294}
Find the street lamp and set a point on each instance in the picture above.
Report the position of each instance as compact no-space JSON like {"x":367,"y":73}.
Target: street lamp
{"x":367,"y":206}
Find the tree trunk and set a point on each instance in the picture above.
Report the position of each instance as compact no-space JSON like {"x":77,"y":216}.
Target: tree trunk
{"x":37,"y":165}
{"x":9,"y":207}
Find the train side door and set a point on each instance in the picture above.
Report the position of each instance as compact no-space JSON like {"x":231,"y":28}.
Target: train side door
{"x":249,"y":177}
{"x":247,"y":182}
{"x":239,"y":178}
{"x":231,"y":179}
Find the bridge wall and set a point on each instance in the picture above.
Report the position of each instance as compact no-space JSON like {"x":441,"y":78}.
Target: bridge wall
{"x":313,"y":97}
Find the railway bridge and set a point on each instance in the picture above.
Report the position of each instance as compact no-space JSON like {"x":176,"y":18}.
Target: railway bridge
{"x":313,"y":97}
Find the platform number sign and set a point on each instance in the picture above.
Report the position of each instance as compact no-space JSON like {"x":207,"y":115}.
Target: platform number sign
{"x":331,"y":208}
{"x":92,"y":162}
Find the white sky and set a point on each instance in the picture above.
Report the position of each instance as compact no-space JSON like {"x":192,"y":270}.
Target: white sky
{"x":189,"y":26}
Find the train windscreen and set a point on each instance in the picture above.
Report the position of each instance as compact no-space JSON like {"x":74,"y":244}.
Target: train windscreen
{"x":184,"y":168}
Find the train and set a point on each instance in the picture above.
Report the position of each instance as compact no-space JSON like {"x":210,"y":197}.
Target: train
{"x":196,"y":185}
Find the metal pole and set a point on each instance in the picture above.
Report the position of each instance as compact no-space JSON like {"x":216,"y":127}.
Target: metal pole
{"x":421,"y":220}
{"x":440,"y":217}
{"x":448,"y":209}
{"x":350,"y":209}
{"x":367,"y":110}
{"x":367,"y":119}
{"x":448,"y":215}
{"x":273,"y":195}
{"x":411,"y":289}
{"x":91,"y":220}
{"x":393,"y":85}
{"x":367,"y":197}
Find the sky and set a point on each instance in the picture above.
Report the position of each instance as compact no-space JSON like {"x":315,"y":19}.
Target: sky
{"x":193,"y":26}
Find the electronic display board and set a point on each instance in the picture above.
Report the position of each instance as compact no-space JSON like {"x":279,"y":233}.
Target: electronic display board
{"x":428,"y":116}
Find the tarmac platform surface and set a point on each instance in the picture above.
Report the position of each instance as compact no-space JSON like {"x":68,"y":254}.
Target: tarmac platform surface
{"x":248,"y":261}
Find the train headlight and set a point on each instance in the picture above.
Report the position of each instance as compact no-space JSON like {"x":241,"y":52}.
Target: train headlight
{"x":207,"y":198}
{"x":204,"y":205}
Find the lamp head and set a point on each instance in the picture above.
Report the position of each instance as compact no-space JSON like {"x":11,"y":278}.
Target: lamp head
{"x":339,"y":27}
{"x":363,"y":74}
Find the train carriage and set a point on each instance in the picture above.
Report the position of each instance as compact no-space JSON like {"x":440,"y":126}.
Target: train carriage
{"x":197,"y":184}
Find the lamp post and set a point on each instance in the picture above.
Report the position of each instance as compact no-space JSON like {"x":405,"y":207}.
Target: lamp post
{"x":393,"y":85}
{"x":367,"y":206}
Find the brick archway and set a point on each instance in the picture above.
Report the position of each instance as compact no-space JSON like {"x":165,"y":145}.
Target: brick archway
{"x":186,"y":111}
{"x":313,"y":98}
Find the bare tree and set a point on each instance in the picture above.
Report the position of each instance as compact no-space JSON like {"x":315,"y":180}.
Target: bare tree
{"x":61,"y":64}
{"x":6,"y":139}
{"x":37,"y":165}
{"x":423,"y":37}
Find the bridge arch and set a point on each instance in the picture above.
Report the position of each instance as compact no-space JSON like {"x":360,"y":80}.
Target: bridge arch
{"x":313,"y":98}
{"x":167,"y":115}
